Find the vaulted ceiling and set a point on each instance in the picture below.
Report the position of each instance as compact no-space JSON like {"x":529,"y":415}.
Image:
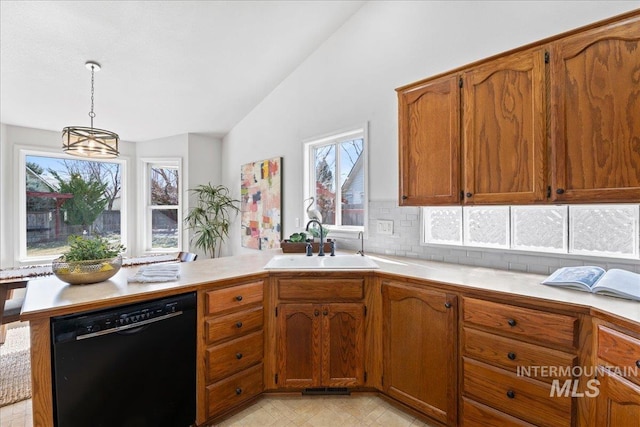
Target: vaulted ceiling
{"x":168,"y":67}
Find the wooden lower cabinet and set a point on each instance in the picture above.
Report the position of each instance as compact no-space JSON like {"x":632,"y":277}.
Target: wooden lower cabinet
{"x":234,"y":390}
{"x":618,"y":401}
{"x":524,"y":398}
{"x":320,"y":345}
{"x":517,"y":364}
{"x":231,"y":348}
{"x":618,"y":357}
{"x":419,"y":349}
{"x":475,"y":414}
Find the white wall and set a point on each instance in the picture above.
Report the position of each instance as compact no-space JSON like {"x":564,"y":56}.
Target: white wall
{"x":203,"y":162}
{"x":351,"y":79}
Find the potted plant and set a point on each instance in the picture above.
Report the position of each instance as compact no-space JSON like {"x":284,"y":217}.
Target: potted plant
{"x":297,"y":242}
{"x":210,"y":218}
{"x":88,"y":260}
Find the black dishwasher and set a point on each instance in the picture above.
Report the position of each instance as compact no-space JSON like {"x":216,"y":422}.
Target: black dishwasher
{"x":132,"y":365}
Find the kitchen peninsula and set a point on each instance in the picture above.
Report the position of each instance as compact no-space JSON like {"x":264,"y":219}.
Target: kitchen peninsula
{"x":474,"y":312}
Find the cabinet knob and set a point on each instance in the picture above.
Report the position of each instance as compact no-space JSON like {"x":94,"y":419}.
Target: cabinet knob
{"x":404,"y":197}
{"x":239,"y":325}
{"x":447,"y":304}
{"x":469,"y":194}
{"x":511,"y":322}
{"x":325,"y":312}
{"x":511,"y":355}
{"x":238,"y":356}
{"x":638,"y":363}
{"x":560,"y":191}
{"x":238,"y":391}
{"x":239,"y":298}
{"x":316,"y":313}
{"x":511,"y":394}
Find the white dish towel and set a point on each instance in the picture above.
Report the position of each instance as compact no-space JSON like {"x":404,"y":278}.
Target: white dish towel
{"x":157,"y":273}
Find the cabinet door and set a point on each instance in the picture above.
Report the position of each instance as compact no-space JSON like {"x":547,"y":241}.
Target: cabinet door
{"x":429,"y":135}
{"x":595,"y":94}
{"x":343,"y":345}
{"x":505,"y":130}
{"x":618,"y":401}
{"x":299,"y":335}
{"x":419,"y":347}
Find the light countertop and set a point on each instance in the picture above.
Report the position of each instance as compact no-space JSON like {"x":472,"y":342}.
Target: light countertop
{"x":49,"y":296}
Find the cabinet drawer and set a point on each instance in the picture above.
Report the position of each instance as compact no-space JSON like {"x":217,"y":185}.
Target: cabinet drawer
{"x":521,"y":397}
{"x":229,"y":358}
{"x":321,"y":289}
{"x":233,"y":325}
{"x":522,"y":322}
{"x":475,"y":414}
{"x":515,"y":355}
{"x":222,"y":300}
{"x":232,"y":391}
{"x":621,"y":351}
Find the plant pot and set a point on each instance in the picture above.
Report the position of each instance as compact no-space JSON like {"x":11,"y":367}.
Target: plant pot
{"x":289,"y":247}
{"x":86,"y":272}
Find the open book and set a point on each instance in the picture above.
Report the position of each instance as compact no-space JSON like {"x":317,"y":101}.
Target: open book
{"x":615,"y":282}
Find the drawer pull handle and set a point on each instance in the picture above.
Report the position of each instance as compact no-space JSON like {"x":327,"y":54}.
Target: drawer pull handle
{"x":239,"y":325}
{"x":511,"y":355}
{"x":316,"y":313}
{"x":325,"y":312}
{"x":238,"y":391}
{"x":447,"y":304}
{"x":239,"y":298}
{"x":238,"y":356}
{"x":638,"y":363}
{"x":511,"y":322}
{"x":511,"y":394}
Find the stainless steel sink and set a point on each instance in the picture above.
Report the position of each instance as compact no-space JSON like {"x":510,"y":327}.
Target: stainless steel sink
{"x":303,"y":262}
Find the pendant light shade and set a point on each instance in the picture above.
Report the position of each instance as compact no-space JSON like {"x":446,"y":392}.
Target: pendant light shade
{"x":88,"y":141}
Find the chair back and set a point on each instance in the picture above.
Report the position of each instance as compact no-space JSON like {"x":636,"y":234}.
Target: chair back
{"x":187,"y":256}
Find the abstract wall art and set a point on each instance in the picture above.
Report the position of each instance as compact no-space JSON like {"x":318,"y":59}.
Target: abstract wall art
{"x":261,"y":196}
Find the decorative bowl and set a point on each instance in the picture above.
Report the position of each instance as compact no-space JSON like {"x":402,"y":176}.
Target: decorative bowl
{"x":86,"y":272}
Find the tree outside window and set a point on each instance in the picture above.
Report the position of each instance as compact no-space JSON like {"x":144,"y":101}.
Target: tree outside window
{"x":337,"y":179}
{"x":164,"y":206}
{"x":65,"y":197}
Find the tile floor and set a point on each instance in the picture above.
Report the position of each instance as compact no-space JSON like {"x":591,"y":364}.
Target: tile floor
{"x":281,"y":411}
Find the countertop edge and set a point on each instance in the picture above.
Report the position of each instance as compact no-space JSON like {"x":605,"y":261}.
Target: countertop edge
{"x":48,"y":296}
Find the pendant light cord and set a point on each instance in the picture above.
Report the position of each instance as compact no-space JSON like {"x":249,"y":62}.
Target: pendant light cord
{"x":91,"y":113}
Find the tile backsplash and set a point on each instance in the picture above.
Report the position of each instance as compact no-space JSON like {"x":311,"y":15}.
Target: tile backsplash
{"x":405,"y":242}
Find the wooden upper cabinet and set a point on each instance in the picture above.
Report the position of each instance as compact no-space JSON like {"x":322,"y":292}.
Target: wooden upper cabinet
{"x":505,"y":130}
{"x":429,"y":131}
{"x":595,"y":114}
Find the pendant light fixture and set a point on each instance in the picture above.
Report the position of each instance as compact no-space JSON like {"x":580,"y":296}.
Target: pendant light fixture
{"x":89,"y":141}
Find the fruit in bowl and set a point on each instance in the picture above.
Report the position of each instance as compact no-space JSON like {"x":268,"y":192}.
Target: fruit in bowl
{"x":89,"y":260}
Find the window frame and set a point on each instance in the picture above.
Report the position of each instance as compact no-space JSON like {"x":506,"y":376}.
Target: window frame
{"x":146,"y":232}
{"x":335,"y":138}
{"x":21,"y":206}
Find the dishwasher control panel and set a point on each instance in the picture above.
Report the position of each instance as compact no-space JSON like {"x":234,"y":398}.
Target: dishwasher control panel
{"x":78,"y":326}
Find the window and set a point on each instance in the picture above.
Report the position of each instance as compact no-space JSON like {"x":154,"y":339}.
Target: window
{"x":62,"y":196}
{"x":336,"y":178}
{"x":595,"y":230}
{"x":163,"y":220}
